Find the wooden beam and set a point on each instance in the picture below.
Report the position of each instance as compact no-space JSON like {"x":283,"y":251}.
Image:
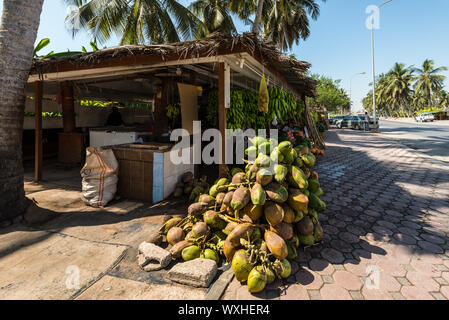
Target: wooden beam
{"x":68,"y":107}
{"x":38,"y":93}
{"x":222,"y":115}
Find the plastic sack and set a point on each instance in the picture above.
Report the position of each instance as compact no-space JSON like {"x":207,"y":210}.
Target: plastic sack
{"x":100,"y":176}
{"x":263,"y":95}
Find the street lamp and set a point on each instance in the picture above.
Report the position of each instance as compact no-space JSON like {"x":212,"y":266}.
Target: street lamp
{"x":374,"y":72}
{"x":350,"y":86}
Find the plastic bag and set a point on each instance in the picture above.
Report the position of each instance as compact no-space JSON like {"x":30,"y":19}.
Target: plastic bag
{"x":263,"y":95}
{"x":100,"y":176}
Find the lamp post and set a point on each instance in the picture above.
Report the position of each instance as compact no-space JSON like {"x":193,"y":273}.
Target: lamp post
{"x":374,"y":72}
{"x":350,"y":86}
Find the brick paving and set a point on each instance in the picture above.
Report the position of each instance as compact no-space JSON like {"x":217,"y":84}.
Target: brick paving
{"x":386,"y":227}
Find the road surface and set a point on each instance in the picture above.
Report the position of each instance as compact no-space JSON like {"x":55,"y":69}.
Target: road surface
{"x":431,"y":138}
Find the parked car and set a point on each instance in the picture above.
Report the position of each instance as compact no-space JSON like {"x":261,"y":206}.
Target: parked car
{"x":355,"y":122}
{"x":425,"y":117}
{"x":332,"y":120}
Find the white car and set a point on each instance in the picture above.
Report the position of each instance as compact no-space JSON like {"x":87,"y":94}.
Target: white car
{"x":424,"y":117}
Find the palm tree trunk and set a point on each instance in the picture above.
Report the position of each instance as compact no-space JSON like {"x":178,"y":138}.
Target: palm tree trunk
{"x":258,"y":17}
{"x":18,"y":30}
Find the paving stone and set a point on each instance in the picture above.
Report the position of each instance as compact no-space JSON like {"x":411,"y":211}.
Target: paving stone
{"x":332,"y":255}
{"x":421,"y":280}
{"x":314,"y":294}
{"x":309,"y":279}
{"x":334,"y":292}
{"x":404,"y":238}
{"x":341,"y":246}
{"x":349,"y":237}
{"x":321,"y":266}
{"x":438,"y":296}
{"x":415,"y":293}
{"x":403,"y":281}
{"x":356,"y":230}
{"x":295,"y":292}
{"x":432,"y":238}
{"x":375,"y":294}
{"x":430,"y":247}
{"x":397,"y":296}
{"x":356,"y":295}
{"x":347,"y":280}
{"x":445,"y":291}
{"x":198,"y":272}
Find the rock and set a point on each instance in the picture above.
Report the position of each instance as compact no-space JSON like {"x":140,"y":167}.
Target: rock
{"x":151,"y":257}
{"x":197,"y":273}
{"x":155,"y":238}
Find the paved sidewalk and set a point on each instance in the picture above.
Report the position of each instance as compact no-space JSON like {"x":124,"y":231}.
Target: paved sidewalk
{"x":386,"y":227}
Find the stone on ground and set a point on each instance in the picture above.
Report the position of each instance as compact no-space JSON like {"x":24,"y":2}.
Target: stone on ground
{"x":198,"y":272}
{"x":151,"y":257}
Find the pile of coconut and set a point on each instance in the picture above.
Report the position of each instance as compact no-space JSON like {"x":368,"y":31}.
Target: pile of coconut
{"x":255,"y":218}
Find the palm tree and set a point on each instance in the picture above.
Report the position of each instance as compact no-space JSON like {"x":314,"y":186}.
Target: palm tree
{"x":137,"y":21}
{"x":17,"y":36}
{"x":397,"y":88}
{"x":215,"y":16}
{"x":429,"y":80}
{"x":287,"y":21}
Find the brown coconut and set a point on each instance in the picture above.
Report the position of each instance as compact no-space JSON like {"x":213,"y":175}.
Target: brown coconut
{"x":273,"y":213}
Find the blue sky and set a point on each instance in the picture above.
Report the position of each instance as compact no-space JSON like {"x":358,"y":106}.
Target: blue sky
{"x":339,"y":45}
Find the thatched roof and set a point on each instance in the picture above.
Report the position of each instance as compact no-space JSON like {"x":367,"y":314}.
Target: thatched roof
{"x":292,"y":71}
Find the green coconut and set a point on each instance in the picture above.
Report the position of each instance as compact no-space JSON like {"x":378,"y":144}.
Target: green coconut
{"x":257,"y":280}
{"x":258,"y":195}
{"x":191,"y":253}
{"x":210,"y":254}
{"x":212,"y":219}
{"x":241,"y":265}
{"x":286,"y":269}
{"x":264,"y":176}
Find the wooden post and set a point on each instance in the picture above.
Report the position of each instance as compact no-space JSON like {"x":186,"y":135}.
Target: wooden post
{"x":160,"y":109}
{"x":38,"y":93}
{"x":68,"y":107}
{"x":222,"y":115}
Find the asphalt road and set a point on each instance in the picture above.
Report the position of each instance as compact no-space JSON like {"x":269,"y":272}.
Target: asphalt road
{"x":431,"y":138}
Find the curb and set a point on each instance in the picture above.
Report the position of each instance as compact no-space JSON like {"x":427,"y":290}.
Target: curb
{"x":218,"y":288}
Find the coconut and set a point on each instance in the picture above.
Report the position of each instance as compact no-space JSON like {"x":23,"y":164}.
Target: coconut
{"x":318,"y":232}
{"x":258,"y":195}
{"x":285,"y":147}
{"x":228,"y":250}
{"x":253,"y":211}
{"x":305,"y":226}
{"x":212,"y":219}
{"x":256,"y":235}
{"x":299,"y":178}
{"x":306,"y":240}
{"x":297,"y":200}
{"x":190,"y":253}
{"x":210,"y":254}
{"x":218,"y":236}
{"x":199,"y":229}
{"x":205,"y":198}
{"x":169,"y":224}
{"x":178,"y":247}
{"x":196,"y":209}
{"x":241,"y":265}
{"x":228,"y":198}
{"x":234,"y":171}
{"x":276,"y":245}
{"x":174,"y":235}
{"x":240,"y":198}
{"x":276,"y":192}
{"x":289,"y":214}
{"x":284,"y":230}
{"x":238,"y":178}
{"x":280,"y":172}
{"x":286,"y":269}
{"x":292,"y":253}
{"x":243,"y":230}
{"x":273,"y":213}
{"x":229,"y":227}
{"x":252,"y":172}
{"x":257,"y":280}
{"x":263,"y":161}
{"x":219,"y":199}
{"x":264,"y":176}
{"x":299,"y":215}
